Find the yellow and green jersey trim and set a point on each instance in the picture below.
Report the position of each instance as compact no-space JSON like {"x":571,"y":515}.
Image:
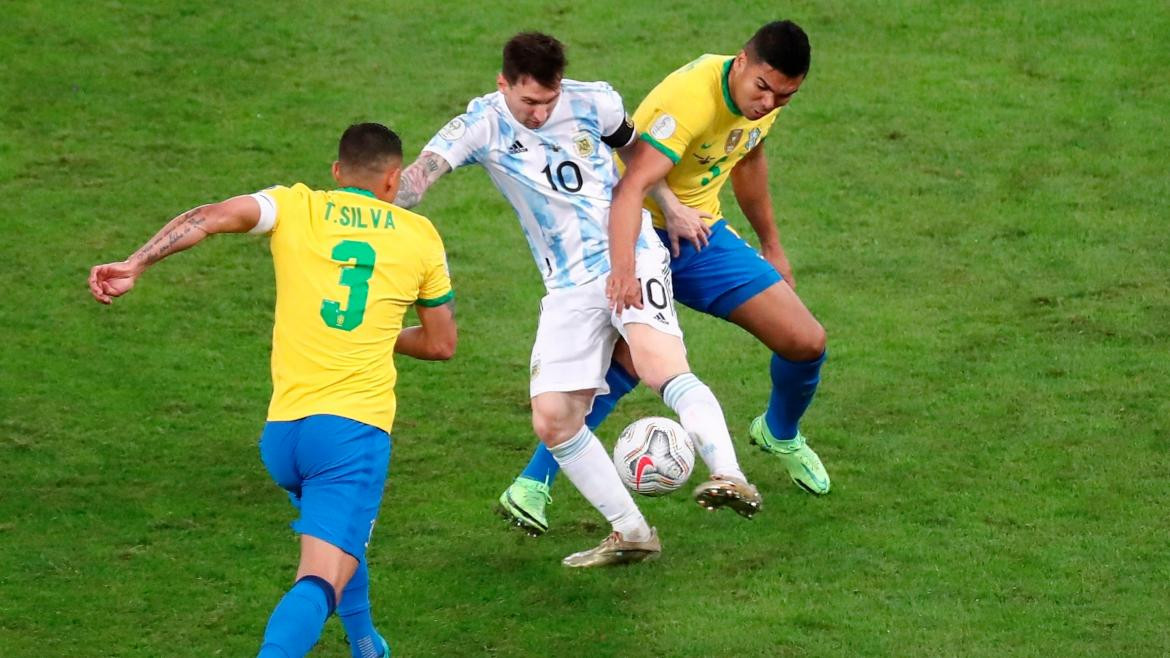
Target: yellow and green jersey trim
{"x":724,"y":82}
{"x":662,"y":148}
{"x":358,"y":190}
{"x":438,"y":301}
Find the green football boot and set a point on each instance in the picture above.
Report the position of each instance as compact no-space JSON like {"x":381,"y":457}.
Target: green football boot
{"x":523,"y":504}
{"x":804,"y":467}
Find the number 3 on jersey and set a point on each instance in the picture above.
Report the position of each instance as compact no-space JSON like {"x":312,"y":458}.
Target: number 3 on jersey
{"x":356,"y":277}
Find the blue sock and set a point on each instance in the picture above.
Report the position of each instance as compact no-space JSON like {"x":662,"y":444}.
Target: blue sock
{"x":296,"y":623}
{"x":543,"y":467}
{"x":354,"y":611}
{"x":793,"y":386}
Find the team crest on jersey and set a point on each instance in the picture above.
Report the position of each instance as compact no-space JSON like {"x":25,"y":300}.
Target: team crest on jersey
{"x":453,"y":130}
{"x":733,"y":140}
{"x":582,"y":144}
{"x":753,"y":139}
{"x":535,"y":371}
{"x":663,"y":127}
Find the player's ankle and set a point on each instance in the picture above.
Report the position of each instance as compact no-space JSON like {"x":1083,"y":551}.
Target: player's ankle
{"x":729,"y":474}
{"x":638,"y":534}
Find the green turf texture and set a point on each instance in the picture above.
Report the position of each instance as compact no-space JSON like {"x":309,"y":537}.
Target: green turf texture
{"x":973,"y":196}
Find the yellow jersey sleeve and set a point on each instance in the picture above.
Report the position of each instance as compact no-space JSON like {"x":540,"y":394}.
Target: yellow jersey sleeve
{"x":673,"y":116}
{"x":289,"y":201}
{"x":435,"y":289}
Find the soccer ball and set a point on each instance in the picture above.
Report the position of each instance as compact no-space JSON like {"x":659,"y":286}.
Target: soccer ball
{"x":654,"y":456}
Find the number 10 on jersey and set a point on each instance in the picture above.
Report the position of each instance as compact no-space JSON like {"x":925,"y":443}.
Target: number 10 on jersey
{"x":568,"y":183}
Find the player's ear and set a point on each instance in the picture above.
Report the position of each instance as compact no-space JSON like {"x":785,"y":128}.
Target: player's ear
{"x":337,"y":171}
{"x":391,"y":179}
{"x":501,"y":82}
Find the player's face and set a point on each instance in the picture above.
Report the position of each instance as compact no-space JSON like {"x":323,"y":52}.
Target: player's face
{"x":530,"y":102}
{"x":758,"y":88}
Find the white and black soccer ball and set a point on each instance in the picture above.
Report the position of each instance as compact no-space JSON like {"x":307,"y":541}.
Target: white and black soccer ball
{"x":654,"y":456}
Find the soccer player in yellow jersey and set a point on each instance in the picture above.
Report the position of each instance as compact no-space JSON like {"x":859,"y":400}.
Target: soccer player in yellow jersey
{"x":348,"y":266}
{"x":701,"y":126}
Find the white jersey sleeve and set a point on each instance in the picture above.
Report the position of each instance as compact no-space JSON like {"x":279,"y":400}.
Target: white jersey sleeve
{"x":617,"y":129}
{"x":465,"y":139}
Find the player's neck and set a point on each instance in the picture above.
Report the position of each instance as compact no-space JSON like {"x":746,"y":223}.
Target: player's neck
{"x":357,"y":189}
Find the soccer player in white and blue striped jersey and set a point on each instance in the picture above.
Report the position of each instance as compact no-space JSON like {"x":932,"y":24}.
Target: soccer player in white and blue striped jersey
{"x":548,"y":144}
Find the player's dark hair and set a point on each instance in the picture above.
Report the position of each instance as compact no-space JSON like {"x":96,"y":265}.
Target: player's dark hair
{"x":368,"y":146}
{"x":783,"y":46}
{"x":536,"y":55}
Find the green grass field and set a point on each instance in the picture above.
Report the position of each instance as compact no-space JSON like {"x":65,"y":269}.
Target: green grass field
{"x":974,"y":197}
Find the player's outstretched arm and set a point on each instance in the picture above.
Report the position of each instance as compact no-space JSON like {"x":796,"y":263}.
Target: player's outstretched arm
{"x":435,"y":338}
{"x":645,"y":167}
{"x":749,"y":179}
{"x":418,"y":177}
{"x":236,"y":215}
{"x":682,"y":222}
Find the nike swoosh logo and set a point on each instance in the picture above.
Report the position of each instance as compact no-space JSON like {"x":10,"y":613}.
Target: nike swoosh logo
{"x":821,"y":484}
{"x":643,"y":462}
{"x":705,"y":146}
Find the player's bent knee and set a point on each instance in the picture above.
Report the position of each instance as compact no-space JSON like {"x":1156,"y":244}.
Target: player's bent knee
{"x":817,"y":342}
{"x":655,"y":370}
{"x":327,"y":588}
{"x":552,"y":433}
{"x":557,"y":417}
{"x":551,"y":428}
{"x":809,"y":345}
{"x":327,"y":562}
{"x":658,"y":379}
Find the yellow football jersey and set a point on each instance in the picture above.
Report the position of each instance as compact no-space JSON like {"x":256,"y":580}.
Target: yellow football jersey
{"x":347,"y":268}
{"x":691,"y":118}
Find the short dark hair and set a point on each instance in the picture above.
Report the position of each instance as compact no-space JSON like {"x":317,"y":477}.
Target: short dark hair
{"x":783,"y":46}
{"x":368,"y":146}
{"x":536,"y":55}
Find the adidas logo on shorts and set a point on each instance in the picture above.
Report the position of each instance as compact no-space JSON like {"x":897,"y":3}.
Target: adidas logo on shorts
{"x":660,"y":318}
{"x":517,"y":147}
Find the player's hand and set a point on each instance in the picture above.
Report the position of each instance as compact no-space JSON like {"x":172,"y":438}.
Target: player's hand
{"x":779,"y":260}
{"x":623,"y":291}
{"x":686,"y":223}
{"x":112,"y":280}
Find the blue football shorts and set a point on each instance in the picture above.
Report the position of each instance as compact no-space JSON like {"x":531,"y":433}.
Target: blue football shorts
{"x":718,"y":278}
{"x":334,"y":470}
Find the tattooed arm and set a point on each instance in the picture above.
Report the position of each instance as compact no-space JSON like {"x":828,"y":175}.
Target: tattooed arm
{"x":236,"y":215}
{"x":418,"y":177}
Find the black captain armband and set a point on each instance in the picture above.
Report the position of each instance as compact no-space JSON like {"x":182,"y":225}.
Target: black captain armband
{"x":622,"y":136}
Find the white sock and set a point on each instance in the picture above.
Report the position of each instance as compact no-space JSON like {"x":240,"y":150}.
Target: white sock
{"x":584,"y":460}
{"x":700,"y":414}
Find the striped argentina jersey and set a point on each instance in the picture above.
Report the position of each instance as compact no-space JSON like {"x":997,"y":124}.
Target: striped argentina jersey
{"x":559,"y":178}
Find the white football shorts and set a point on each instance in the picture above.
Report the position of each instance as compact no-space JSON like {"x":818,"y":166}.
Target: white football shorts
{"x":577,"y":330}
